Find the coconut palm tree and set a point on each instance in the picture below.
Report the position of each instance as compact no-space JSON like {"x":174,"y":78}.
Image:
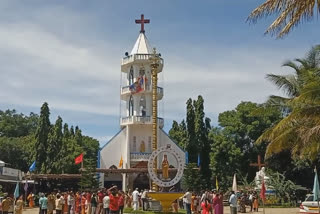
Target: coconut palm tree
{"x":299,"y":130}
{"x":290,"y":14}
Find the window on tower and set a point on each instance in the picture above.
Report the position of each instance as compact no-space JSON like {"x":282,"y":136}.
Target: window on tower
{"x":143,"y":105}
{"x":131,"y":76}
{"x":134,"y":144}
{"x":131,"y":106}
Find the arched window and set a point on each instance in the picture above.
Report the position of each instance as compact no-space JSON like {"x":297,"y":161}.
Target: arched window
{"x":131,"y":106}
{"x":131,"y":76}
{"x":143,"y":105}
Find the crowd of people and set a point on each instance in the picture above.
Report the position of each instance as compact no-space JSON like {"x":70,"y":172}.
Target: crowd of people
{"x":113,"y":201}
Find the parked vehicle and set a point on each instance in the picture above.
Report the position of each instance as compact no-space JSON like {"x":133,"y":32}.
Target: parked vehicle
{"x":309,"y":206}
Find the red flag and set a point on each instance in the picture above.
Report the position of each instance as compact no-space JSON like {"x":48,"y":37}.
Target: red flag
{"x":263,"y":191}
{"x":78,"y":159}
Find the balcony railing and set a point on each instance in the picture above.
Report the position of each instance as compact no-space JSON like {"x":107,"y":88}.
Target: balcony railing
{"x":135,"y":57}
{"x":140,"y":120}
{"x":126,"y":90}
{"x":139,"y":156}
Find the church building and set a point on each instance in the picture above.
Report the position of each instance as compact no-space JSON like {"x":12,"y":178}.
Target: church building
{"x":131,"y":147}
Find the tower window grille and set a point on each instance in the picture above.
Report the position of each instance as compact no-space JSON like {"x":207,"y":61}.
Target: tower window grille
{"x":131,"y":106}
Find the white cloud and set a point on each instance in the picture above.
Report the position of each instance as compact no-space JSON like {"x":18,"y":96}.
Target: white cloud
{"x":61,"y":62}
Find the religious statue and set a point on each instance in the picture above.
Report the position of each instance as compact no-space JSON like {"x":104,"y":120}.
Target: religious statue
{"x":142,"y":147}
{"x":261,"y":175}
{"x":165,"y":167}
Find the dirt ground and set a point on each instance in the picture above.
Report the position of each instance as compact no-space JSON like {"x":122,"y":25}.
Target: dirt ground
{"x":226,"y":211}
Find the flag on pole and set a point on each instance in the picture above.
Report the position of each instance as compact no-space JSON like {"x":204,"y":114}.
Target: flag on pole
{"x":26,"y":186}
{"x":263,"y":191}
{"x":217,"y":184}
{"x":315,"y":191}
{"x":234,"y":184}
{"x":16,"y":191}
{"x":121,"y":162}
{"x":199,"y":161}
{"x":78,"y":159}
{"x":32,"y":167}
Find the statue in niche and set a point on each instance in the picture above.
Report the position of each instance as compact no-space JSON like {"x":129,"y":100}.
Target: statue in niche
{"x":165,"y":168}
{"x":142,"y":147}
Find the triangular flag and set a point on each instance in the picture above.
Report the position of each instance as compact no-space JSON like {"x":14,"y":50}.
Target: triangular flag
{"x":263,"y":191}
{"x":32,"y":167}
{"x":217,"y":184}
{"x":78,"y":159}
{"x":26,"y":186}
{"x":121,"y":162}
{"x":234,"y":184}
{"x":16,"y":191}
{"x":315,"y":186}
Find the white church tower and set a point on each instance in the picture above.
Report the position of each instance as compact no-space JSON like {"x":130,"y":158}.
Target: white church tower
{"x":131,"y":147}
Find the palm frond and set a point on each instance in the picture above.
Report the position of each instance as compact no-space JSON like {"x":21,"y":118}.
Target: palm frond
{"x":290,"y":13}
{"x":287,"y":83}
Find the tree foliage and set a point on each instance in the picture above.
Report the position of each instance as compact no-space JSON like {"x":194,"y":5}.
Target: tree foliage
{"x":54,"y":146}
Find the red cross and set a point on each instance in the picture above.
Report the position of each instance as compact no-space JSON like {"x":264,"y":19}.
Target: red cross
{"x":259,"y":164}
{"x":142,"y":21}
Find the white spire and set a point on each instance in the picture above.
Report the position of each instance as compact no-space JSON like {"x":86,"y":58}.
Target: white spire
{"x":141,"y":46}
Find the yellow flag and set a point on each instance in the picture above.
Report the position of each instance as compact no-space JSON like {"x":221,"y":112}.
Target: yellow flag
{"x":121,"y":162}
{"x":217,"y":184}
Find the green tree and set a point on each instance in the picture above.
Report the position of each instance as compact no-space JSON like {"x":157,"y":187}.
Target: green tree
{"x":13,"y":124}
{"x":191,"y":147}
{"x":191,"y":179}
{"x":55,"y":147}
{"x":178,"y":133}
{"x":42,"y":134}
{"x":225,"y":157}
{"x":298,"y":132}
{"x":89,"y":179}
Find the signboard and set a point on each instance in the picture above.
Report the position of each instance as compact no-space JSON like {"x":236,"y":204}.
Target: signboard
{"x":10,"y":172}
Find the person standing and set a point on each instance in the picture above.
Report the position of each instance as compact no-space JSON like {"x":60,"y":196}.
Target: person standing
{"x":88,"y":202}
{"x":6,"y":203}
{"x":121,"y":201}
{"x":187,"y":199}
{"x":135,"y":199}
{"x":59,"y":204}
{"x":93,"y":203}
{"x":43,"y":204}
{"x":114,"y":200}
{"x":70,"y":201}
{"x":31,"y":200}
{"x":216,"y":204}
{"x":233,"y":203}
{"x":106,"y":204}
{"x":144,"y":198}
{"x":221,"y":202}
{"x":51,"y":203}
{"x":255,"y":202}
{"x":83,"y":203}
{"x":100,"y":202}
{"x":206,"y":206}
{"x":19,"y":205}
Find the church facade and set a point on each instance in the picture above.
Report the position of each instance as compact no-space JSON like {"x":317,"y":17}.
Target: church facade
{"x":131,"y":147}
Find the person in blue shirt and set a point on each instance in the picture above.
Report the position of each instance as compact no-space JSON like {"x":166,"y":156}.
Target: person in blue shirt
{"x":43,"y":204}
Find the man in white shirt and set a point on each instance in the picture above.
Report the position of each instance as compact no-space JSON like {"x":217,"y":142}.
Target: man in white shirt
{"x":106,"y":204}
{"x":135,"y":199}
{"x":70,"y":201}
{"x":233,"y":203}
{"x":59,"y":204}
{"x":187,"y":198}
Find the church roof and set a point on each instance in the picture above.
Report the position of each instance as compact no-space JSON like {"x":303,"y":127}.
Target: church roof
{"x":142,"y":45}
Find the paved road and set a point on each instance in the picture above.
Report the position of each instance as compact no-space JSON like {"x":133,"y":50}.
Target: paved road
{"x":226,"y":211}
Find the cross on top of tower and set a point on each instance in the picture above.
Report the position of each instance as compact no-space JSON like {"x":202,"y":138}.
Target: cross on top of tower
{"x":142,"y":21}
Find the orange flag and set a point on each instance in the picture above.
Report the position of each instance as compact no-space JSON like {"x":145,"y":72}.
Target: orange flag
{"x":78,"y":159}
{"x":263,"y":191}
{"x":121,"y":162}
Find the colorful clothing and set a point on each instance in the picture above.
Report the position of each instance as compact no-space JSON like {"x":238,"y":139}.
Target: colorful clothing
{"x":205,"y":208}
{"x":31,"y":200}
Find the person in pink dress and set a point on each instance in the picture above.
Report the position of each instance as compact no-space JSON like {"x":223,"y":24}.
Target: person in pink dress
{"x":206,"y":206}
{"x":216,"y":204}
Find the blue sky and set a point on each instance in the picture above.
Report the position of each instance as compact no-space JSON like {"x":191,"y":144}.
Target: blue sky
{"x":68,"y":53}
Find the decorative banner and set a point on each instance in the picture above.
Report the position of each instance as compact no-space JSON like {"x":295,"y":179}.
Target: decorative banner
{"x":10,"y":172}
